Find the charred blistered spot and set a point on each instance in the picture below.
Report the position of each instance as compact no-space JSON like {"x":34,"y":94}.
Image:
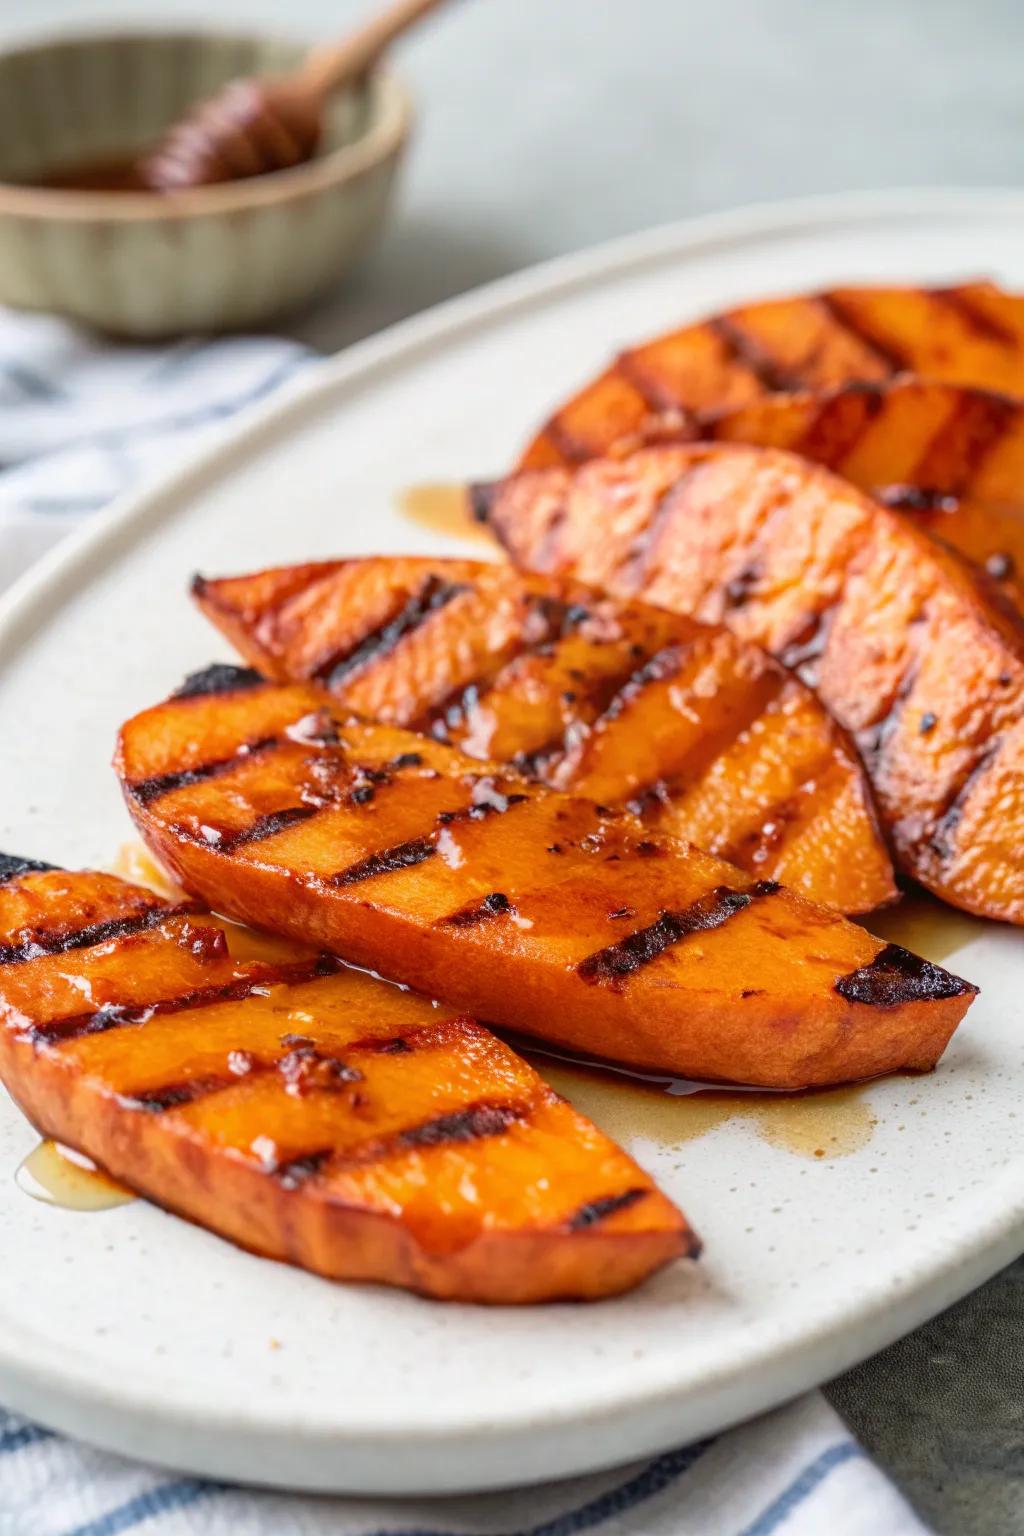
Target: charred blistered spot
{"x":928,"y":723}
{"x":496,"y":904}
{"x":752,"y":992}
{"x":221,"y":677}
{"x":12,"y":867}
{"x":803,"y":652}
{"x":1000,"y":565}
{"x":115,"y":1016}
{"x":433,"y":594}
{"x":298,"y":1170}
{"x":850,"y":320}
{"x":597,"y":1210}
{"x":896,"y":977}
{"x":402,"y":856}
{"x":407,"y":760}
{"x":205,"y":944}
{"x":470,"y":1124}
{"x":742,"y":587}
{"x":650,"y":800}
{"x":145,"y":791}
{"x":306,"y":1069}
{"x":612,"y":965}
{"x":916,"y":498}
{"x":291,"y":1040}
{"x":620,"y":912}
{"x":172,"y":1096}
{"x":39,"y":942}
{"x":649,"y":850}
{"x":396,"y":1047}
{"x":656,"y":669}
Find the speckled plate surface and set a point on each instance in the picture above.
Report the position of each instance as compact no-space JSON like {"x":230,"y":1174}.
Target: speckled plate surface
{"x":831,"y":1226}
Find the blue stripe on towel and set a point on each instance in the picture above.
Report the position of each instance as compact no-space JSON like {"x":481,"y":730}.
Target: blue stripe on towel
{"x":802,"y":1487}
{"x":152,"y":1504}
{"x":19,"y":1435}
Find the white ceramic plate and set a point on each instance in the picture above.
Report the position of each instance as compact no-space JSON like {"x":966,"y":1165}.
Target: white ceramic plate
{"x":136,"y":1331}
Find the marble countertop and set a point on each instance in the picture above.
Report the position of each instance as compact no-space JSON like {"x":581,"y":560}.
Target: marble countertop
{"x":547,"y":125}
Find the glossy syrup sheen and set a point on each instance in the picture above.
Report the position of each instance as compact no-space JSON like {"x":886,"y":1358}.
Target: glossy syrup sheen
{"x":57,"y":1175}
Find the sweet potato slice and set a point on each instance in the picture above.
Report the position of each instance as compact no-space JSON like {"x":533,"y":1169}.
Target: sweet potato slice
{"x":972,"y":334}
{"x":306,"y":1110}
{"x":921,"y":663}
{"x":526,"y":907}
{"x":698,"y":734}
{"x":950,"y":459}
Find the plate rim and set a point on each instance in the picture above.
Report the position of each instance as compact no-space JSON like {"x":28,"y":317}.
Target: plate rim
{"x":64,"y":1394}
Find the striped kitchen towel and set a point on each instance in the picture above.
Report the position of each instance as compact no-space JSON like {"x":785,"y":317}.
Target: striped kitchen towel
{"x":82,"y":422}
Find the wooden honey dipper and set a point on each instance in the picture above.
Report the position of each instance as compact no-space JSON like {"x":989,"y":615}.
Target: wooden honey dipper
{"x":270,"y":122}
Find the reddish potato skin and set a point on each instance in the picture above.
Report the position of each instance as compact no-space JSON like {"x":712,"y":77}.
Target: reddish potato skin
{"x":702,"y":736}
{"x":970,"y":335}
{"x":158,"y":1105}
{"x":914,"y":654}
{"x":543,"y":913}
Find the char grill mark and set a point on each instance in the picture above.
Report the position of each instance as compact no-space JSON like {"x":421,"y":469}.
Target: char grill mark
{"x":610,"y":966}
{"x":12,"y":867}
{"x":470,"y":1124}
{"x":960,"y":447}
{"x":495,"y":905}
{"x":434,"y":594}
{"x":895,"y":977}
{"x":946,"y":825}
{"x":803,"y":653}
{"x":976,"y":319}
{"x":266,"y":826}
{"x":56,"y":943}
{"x":117,"y":1015}
{"x":221,"y":677}
{"x":839,"y":423}
{"x":403,"y":856}
{"x":754,"y":355}
{"x":597,"y":1210}
{"x":844,"y":316}
{"x":297,"y":1170}
{"x":173,"y":1095}
{"x":145,"y":791}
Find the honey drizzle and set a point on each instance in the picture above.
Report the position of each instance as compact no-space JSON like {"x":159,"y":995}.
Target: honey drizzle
{"x":444,"y":508}
{"x":57,"y":1175}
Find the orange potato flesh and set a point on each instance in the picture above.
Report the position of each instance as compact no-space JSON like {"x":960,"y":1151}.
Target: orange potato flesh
{"x":543,"y":913}
{"x":697,"y":733}
{"x":910,"y":652}
{"x":306,"y":1110}
{"x":972,"y":335}
{"x":948,"y":458}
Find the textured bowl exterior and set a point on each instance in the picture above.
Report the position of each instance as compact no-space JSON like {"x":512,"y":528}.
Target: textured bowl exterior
{"x":213,"y":259}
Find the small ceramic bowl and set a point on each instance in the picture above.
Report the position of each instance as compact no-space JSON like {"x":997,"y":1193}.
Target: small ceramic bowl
{"x":210,"y":259}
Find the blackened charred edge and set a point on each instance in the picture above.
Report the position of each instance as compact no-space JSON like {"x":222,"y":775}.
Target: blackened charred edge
{"x":435,"y":593}
{"x":220,"y":677}
{"x":402,"y":856}
{"x":483,"y":498}
{"x":715,"y":907}
{"x":12,"y":867}
{"x":116,"y":1016}
{"x":145,"y":791}
{"x":803,"y":652}
{"x":496,"y":904}
{"x":56,"y":943}
{"x":470,"y":1124}
{"x":598,"y":1210}
{"x":895,"y":977}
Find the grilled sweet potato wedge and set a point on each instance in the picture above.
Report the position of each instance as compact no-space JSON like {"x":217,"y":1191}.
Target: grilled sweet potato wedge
{"x":972,"y":334}
{"x":949,"y":458}
{"x":700,"y":735}
{"x":910,"y":653}
{"x":304,"y":1109}
{"x":528,"y":908}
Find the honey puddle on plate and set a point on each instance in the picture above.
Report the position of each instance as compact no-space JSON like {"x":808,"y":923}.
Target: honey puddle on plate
{"x":59,"y":1176}
{"x":443,"y":507}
